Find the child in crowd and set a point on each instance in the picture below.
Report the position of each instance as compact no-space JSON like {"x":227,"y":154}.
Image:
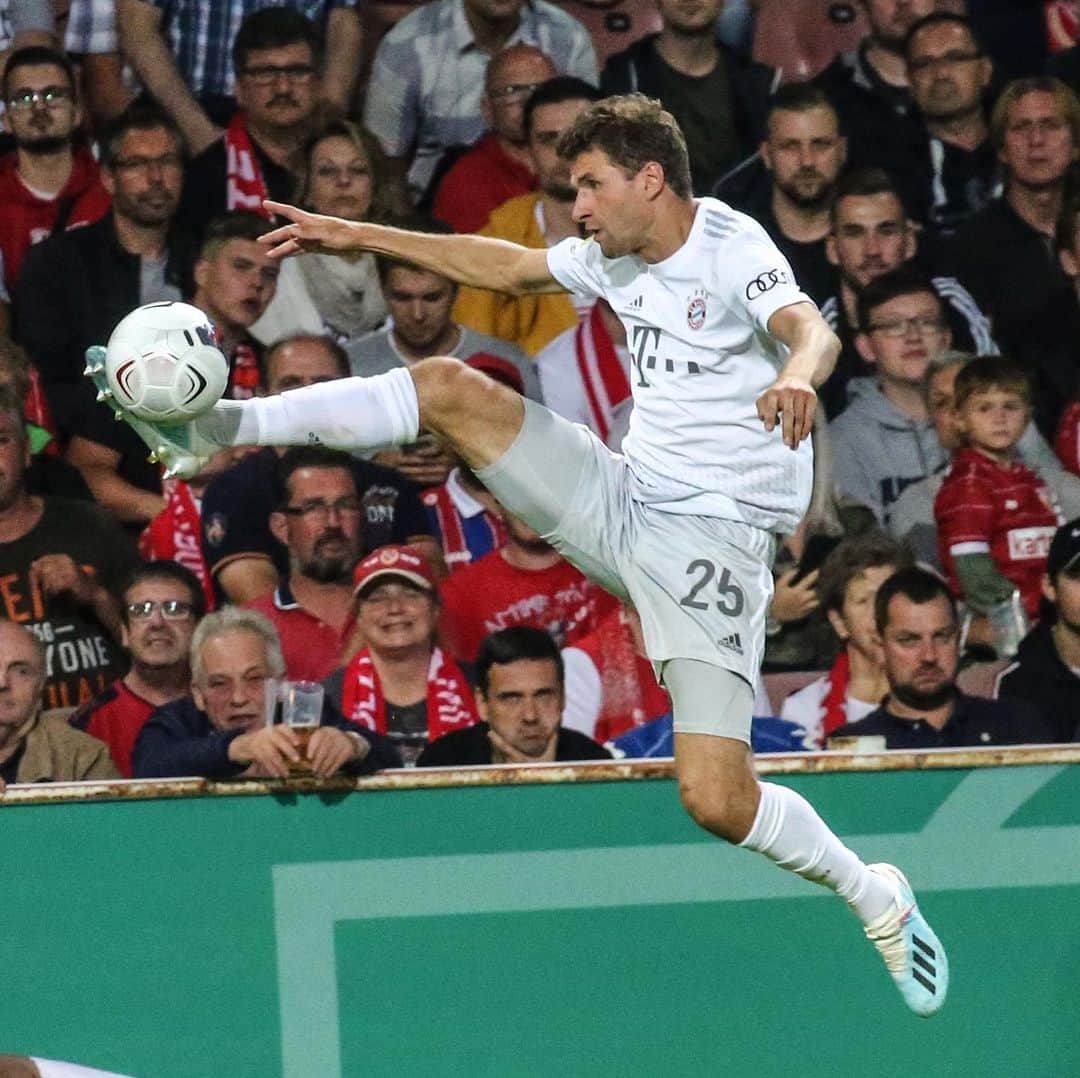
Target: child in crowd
{"x":995,"y":516}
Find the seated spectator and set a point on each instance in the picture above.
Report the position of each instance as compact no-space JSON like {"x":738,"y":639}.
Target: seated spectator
{"x":871,"y":236}
{"x":539,"y":219}
{"x":525,"y":582}
{"x":856,"y":684}
{"x":36,"y":746}
{"x":400,"y":684}
{"x":499,"y":166}
{"x":319,"y":522}
{"x":916,"y":623}
{"x":520,"y":693}
{"x":235,"y":279}
{"x":48,"y":183}
{"x":224,"y":730}
{"x":995,"y":516}
{"x":427,"y":79}
{"x":162,"y":604}
{"x":884,"y":440}
{"x":1046,"y":669}
{"x":463,"y":518}
{"x":63,"y":563}
{"x":245,"y":559}
{"x":717,"y":96}
{"x":611,"y":684}
{"x":344,"y":176}
{"x":585,"y":375}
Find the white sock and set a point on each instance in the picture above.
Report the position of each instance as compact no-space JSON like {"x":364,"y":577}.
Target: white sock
{"x":350,"y":413}
{"x":790,"y":833}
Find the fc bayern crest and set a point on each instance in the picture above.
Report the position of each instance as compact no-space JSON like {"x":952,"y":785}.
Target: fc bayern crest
{"x":695,"y":312}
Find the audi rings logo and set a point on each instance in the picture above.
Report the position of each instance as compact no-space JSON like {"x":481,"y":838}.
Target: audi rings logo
{"x":765,"y":282}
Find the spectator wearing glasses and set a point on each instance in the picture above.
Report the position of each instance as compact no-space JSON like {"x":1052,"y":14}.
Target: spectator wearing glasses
{"x":320,"y":523}
{"x":225,"y":728}
{"x":48,"y":183}
{"x":162,"y":604}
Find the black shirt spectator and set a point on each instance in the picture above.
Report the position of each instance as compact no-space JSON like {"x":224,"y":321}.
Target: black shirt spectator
{"x":1039,"y":677}
{"x":472,"y":746}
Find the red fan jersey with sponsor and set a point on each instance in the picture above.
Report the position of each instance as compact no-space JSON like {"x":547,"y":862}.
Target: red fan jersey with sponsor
{"x":1005,"y":511}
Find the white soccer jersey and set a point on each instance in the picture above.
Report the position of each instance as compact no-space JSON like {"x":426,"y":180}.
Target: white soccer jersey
{"x":701,"y":356}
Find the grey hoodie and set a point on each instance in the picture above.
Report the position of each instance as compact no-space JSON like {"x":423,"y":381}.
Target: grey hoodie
{"x":879,"y":451}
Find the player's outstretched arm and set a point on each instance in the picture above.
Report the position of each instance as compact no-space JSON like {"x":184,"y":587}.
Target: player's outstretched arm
{"x":813,"y":350}
{"x":476,"y":261}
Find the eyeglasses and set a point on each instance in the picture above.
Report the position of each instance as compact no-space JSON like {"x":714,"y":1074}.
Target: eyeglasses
{"x":269,"y":74}
{"x":515,"y":89}
{"x":147,"y":164}
{"x":395,"y":593}
{"x":321,"y":511}
{"x":925,"y":63}
{"x":52,"y":97}
{"x":172,"y":609}
{"x":899,"y":327}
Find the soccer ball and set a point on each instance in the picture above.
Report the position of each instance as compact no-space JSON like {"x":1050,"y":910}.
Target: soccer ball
{"x":163,"y":364}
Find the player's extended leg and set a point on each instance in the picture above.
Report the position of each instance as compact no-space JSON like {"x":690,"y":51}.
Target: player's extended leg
{"x":721,"y":792}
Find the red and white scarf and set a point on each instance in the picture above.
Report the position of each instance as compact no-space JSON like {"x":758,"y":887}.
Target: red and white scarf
{"x":834,"y":704}
{"x":175,"y":534}
{"x":450,"y":703}
{"x":602,"y":372}
{"x":245,"y":188}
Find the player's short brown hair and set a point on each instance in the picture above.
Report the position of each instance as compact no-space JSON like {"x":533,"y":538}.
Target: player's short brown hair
{"x":851,"y":558}
{"x":1034,"y":84}
{"x":632,"y":130}
{"x":985,"y":373}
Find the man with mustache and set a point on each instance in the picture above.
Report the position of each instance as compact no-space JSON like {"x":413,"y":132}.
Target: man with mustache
{"x":919,"y":635}
{"x":320,"y":521}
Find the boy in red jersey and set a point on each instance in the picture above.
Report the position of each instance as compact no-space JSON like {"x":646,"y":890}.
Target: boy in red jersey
{"x":995,"y":516}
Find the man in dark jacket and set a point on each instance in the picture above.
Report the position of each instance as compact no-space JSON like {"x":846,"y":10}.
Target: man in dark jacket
{"x":718,"y":98}
{"x":520,"y":693}
{"x":225,"y":729}
{"x":1045,"y":671}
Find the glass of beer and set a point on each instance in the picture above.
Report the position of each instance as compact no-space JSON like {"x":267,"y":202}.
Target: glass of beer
{"x":301,"y":710}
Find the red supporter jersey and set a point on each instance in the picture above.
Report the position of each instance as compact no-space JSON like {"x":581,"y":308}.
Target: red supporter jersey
{"x":1067,"y":439}
{"x":490,"y":594}
{"x":1006,"y":511}
{"x":115,"y":717}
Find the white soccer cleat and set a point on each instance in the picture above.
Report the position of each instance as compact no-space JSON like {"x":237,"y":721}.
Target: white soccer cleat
{"x":913,"y":954}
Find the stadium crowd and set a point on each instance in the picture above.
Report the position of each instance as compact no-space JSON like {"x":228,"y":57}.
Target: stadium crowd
{"x":916,"y":162}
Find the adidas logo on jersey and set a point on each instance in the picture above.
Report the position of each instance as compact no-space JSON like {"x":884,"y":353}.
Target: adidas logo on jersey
{"x":637,"y":304}
{"x":732,"y":643}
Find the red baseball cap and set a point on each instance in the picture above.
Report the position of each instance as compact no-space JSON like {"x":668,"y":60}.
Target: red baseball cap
{"x":399,"y":561}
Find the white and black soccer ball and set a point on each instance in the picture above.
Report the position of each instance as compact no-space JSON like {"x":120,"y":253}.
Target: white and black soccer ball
{"x":163,"y":364}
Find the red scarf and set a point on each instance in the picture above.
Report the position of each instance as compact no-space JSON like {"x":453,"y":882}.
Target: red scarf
{"x":834,"y":706}
{"x":245,"y":188}
{"x":175,"y":534}
{"x":602,"y":372}
{"x":450,"y":704}
{"x":1061,"y":24}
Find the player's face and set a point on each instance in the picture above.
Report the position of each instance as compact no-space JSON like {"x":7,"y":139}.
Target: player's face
{"x":509,"y":83}
{"x":994,"y":420}
{"x":940,"y":399}
{"x":609,"y":205}
{"x":1039,"y":145}
{"x":524,"y":703}
{"x":903,"y":334}
{"x":947,"y":72}
{"x":397,"y":617}
{"x":690,"y":18}
{"x":419,"y":302}
{"x":22,"y":676}
{"x":855,"y":623}
{"x":236,"y":283}
{"x":870,"y":237}
{"x":40,"y":126}
{"x":920,"y":650}
{"x":890,"y":20}
{"x":323,"y":526}
{"x":232,"y":686}
{"x":14,"y":458}
{"x":158,"y":641}
{"x":146,"y":177}
{"x":301,"y":363}
{"x":279,"y":87}
{"x":548,"y":123}
{"x":804,"y":152}
{"x":339,"y":179}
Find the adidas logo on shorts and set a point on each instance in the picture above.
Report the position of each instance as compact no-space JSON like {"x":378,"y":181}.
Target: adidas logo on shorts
{"x":732,"y":643}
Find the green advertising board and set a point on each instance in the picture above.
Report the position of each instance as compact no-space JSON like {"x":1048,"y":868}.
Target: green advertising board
{"x":556,"y":928}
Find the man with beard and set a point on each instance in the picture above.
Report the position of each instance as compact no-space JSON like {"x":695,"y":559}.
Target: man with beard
{"x":276,"y":57}
{"x":162,"y":604}
{"x":48,"y":184}
{"x":918,"y":632}
{"x":320,"y":522}
{"x":77,"y":285}
{"x":539,"y":219}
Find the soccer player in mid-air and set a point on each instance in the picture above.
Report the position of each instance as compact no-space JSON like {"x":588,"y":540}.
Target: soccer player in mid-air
{"x":726,"y":354}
